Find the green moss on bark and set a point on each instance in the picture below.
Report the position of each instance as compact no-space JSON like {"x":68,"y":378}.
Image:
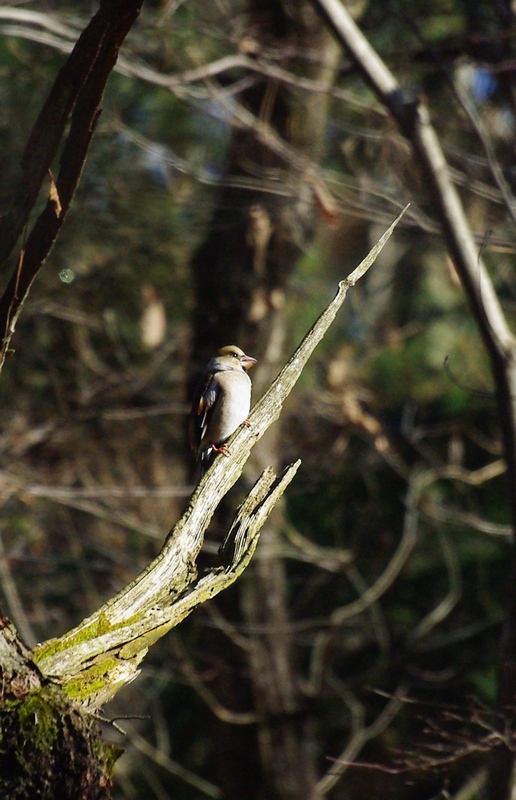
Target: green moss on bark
{"x":49,"y":749}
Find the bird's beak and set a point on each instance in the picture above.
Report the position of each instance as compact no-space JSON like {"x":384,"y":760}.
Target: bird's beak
{"x":247,"y":362}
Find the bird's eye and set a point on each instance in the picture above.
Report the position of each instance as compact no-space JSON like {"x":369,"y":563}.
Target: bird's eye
{"x":235,"y":355}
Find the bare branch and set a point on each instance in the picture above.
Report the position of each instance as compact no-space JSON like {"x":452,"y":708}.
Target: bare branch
{"x":369,"y":596}
{"x":75,"y":100}
{"x":360,"y":737}
{"x":60,"y":37}
{"x":414,"y":121}
{"x":104,"y":651}
{"x":413,"y":118}
{"x":163,"y":760}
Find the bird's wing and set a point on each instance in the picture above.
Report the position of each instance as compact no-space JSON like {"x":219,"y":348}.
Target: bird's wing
{"x":205,"y":399}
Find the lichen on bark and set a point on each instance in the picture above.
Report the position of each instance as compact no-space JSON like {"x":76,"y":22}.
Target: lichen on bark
{"x":49,"y":748}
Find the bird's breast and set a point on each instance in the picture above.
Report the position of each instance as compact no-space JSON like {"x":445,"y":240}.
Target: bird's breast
{"x":233,"y":405}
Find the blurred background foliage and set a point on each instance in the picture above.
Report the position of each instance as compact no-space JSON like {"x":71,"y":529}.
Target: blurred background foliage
{"x":394,"y":418}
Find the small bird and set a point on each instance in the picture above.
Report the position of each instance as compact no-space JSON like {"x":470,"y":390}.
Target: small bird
{"x":221,"y":403}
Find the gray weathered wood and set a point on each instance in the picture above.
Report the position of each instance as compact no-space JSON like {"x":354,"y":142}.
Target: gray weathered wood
{"x":103,"y":653}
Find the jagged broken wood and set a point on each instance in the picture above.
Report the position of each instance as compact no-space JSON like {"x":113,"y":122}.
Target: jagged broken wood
{"x":103,"y":653}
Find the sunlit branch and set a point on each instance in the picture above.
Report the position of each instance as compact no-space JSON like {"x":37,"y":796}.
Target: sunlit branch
{"x":121,"y":632}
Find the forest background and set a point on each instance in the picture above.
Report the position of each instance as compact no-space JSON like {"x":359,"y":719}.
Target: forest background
{"x":240,"y":169}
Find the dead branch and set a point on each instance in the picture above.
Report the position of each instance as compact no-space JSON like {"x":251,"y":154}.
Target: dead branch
{"x":103,"y":653}
{"x":74,"y":101}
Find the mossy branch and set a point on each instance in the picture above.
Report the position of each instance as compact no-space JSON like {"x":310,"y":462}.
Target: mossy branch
{"x":103,"y":653}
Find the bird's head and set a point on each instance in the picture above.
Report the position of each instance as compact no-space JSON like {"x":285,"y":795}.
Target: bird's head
{"x":232,"y":356}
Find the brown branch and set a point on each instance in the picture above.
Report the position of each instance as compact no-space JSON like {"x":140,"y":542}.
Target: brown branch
{"x":361,"y":735}
{"x":74,"y":100}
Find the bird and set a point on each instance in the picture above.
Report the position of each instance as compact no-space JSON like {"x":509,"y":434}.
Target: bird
{"x":221,"y":403}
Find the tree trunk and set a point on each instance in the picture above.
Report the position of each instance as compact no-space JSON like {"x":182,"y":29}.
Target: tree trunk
{"x":255,"y":239}
{"x":50,"y":748}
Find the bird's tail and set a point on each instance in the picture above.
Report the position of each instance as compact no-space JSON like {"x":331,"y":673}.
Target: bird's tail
{"x":206,"y":459}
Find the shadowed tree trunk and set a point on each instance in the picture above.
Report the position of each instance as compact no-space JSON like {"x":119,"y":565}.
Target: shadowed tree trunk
{"x":257,"y":235}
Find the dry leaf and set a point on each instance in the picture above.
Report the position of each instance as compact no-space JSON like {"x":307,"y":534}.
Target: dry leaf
{"x":53,"y":195}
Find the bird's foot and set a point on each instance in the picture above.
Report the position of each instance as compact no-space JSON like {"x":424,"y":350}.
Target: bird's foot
{"x":222,"y":449}
{"x":247,"y":424}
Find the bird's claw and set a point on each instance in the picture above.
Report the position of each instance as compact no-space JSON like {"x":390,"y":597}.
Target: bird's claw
{"x":222,"y":449}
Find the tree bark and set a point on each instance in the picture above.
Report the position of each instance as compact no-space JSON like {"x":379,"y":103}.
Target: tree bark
{"x":50,"y":748}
